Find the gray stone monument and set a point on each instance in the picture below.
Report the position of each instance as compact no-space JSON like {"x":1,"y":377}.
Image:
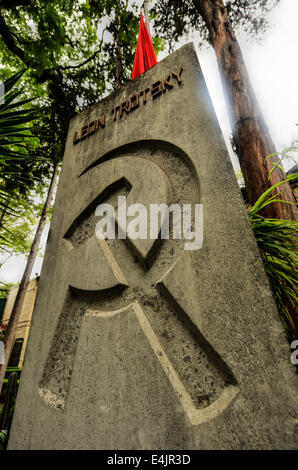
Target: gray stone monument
{"x":142,"y":344}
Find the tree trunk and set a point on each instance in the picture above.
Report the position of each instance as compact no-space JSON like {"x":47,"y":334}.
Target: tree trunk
{"x":252,"y":139}
{"x":19,"y":300}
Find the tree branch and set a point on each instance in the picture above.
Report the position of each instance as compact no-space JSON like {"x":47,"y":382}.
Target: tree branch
{"x":19,"y":40}
{"x":9,"y":41}
{"x":87,"y":60}
{"x":62,"y":67}
{"x":7,"y":258}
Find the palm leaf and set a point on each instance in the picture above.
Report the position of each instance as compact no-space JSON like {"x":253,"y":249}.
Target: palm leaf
{"x":277,"y":240}
{"x":15,"y":133}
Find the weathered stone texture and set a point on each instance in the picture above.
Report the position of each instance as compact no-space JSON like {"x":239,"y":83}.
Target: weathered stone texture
{"x":142,"y":345}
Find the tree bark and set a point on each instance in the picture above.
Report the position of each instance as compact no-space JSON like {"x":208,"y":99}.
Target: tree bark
{"x":251,"y":137}
{"x":19,"y":300}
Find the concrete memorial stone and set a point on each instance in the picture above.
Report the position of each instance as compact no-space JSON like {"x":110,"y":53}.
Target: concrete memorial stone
{"x":154,"y":343}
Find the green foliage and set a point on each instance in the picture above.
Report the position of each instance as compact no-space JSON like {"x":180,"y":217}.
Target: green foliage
{"x":277,"y":240}
{"x":19,"y":226}
{"x":10,"y":370}
{"x":175,"y":19}
{"x":158,"y":44}
{"x":286,"y":154}
{"x":21,"y":169}
{"x":69,"y":47}
{"x":3,"y":436}
{"x":14,"y":137}
{"x":70,"y":52}
{"x":8,"y":409}
{"x":4,"y":290}
{"x":10,"y":395}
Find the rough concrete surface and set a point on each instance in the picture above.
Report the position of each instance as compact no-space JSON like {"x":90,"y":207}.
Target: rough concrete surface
{"x":140,"y":344}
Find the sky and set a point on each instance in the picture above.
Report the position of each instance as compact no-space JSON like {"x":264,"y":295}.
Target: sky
{"x":273,"y":70}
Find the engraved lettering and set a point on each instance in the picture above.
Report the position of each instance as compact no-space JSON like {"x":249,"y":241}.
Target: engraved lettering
{"x":92,"y":127}
{"x":165,"y":83}
{"x":134,"y":102}
{"x":178,"y":76}
{"x":101,"y":121}
{"x":76,"y":139}
{"x":124,"y":107}
{"x":144,"y":94}
{"x":156,"y":89}
{"x":114,"y":111}
{"x":84,"y":132}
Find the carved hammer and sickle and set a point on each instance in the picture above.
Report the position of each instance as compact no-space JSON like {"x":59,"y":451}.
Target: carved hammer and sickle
{"x":106,"y":275}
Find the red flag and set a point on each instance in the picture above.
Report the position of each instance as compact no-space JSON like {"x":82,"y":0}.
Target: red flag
{"x":145,"y":56}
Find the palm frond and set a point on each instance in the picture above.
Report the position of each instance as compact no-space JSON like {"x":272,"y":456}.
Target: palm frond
{"x":277,"y":240}
{"x":16,"y":126}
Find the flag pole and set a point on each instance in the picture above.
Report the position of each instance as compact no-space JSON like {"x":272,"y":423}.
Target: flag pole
{"x":147,"y":17}
{"x":145,"y":56}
